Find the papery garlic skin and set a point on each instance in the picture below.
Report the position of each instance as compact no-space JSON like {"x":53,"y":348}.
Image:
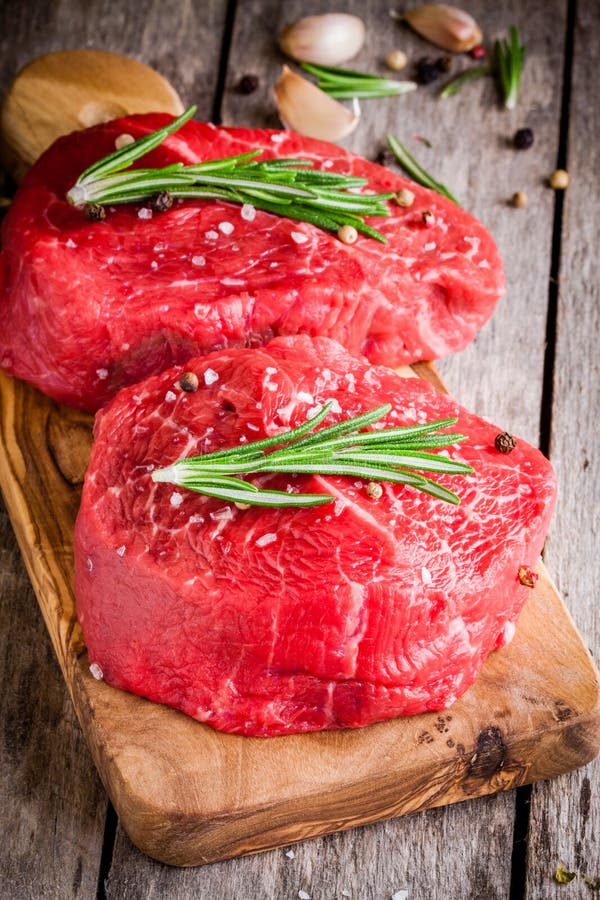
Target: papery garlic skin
{"x":304,"y":108}
{"x":447,"y":27}
{"x":327,"y":40}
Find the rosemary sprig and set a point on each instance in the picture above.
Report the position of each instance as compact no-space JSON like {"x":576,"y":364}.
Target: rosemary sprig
{"x":346,"y":84}
{"x":387,"y":454}
{"x":509,"y":57}
{"x":286,"y":187}
{"x":416,"y":170}
{"x":457,"y":84}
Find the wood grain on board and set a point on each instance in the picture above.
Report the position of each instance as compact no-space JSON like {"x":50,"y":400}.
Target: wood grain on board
{"x":72,"y":89}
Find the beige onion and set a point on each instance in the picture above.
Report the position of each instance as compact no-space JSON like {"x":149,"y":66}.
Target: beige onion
{"x":327,"y":40}
{"x":447,"y":27}
{"x":304,"y":108}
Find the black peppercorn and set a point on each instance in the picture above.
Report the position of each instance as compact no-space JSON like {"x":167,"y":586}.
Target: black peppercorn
{"x":523,"y":139}
{"x":189,"y":382}
{"x":385,"y":157}
{"x":505,"y":442}
{"x":94,"y":212}
{"x":247,"y":84}
{"x":426,"y":71}
{"x":444,"y":64}
{"x":161,"y":202}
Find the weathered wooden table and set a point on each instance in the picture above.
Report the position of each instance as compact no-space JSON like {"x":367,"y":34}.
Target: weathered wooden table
{"x":534,"y":367}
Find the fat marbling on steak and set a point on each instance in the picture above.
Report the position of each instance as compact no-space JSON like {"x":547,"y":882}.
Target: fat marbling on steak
{"x":90,"y":307}
{"x":275,"y":621}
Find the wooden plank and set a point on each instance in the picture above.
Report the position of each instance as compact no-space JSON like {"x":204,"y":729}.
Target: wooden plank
{"x":499,"y":375}
{"x":370,"y":863}
{"x":52,"y":802}
{"x":565,"y":814}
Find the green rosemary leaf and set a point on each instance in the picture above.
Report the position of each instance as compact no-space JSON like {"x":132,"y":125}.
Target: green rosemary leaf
{"x":128,"y":154}
{"x":366,"y":93}
{"x":334,"y":73}
{"x":286,"y":187}
{"x":457,"y":84}
{"x":260,"y":498}
{"x":509,"y":56}
{"x":347,"y":426}
{"x":294,"y":434}
{"x":416,"y":170}
{"x":337,"y":450}
{"x":346,"y":84}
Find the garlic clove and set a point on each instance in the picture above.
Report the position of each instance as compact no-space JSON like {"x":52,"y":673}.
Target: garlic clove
{"x":327,"y":40}
{"x":447,"y":27}
{"x":304,"y":108}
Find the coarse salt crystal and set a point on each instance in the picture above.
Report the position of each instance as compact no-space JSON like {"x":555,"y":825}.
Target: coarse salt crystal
{"x":144,"y":213}
{"x":252,"y":427}
{"x":270,"y":370}
{"x":212,"y":235}
{"x":154,"y":264}
{"x":198,"y":310}
{"x":96,"y":671}
{"x":160,"y":246}
{"x":346,"y":893}
{"x":290,"y":854}
{"x":430,"y":246}
{"x":305,"y":397}
{"x":71,"y":243}
{"x":426,"y":575}
{"x":340,"y":505}
{"x":222,"y":515}
{"x":266,"y":539}
{"x":400,"y":895}
{"x":299,"y":238}
{"x":335,"y":406}
{"x":89,"y":565}
{"x":248,"y":212}
{"x":225,"y":227}
{"x":328,"y":164}
{"x":176,"y":499}
{"x":303,"y":895}
{"x":121,"y":550}
{"x":102,"y":374}
{"x":278,"y":138}
{"x":210,"y":376}
{"x":198,"y":260}
{"x":170,"y":396}
{"x":232,"y":282}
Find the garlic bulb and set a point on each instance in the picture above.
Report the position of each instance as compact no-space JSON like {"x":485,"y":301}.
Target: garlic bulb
{"x":304,"y":108}
{"x":327,"y":40}
{"x":445,"y":26}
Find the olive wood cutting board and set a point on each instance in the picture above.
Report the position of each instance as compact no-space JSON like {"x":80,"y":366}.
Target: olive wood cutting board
{"x":187,"y":794}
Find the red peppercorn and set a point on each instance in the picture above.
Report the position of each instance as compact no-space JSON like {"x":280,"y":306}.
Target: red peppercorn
{"x":478,"y":52}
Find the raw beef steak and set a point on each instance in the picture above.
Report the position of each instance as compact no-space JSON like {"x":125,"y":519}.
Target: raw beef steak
{"x":90,"y":307}
{"x":273,"y":621}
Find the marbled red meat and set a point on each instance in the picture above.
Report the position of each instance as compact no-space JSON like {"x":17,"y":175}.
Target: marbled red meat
{"x":90,"y":307}
{"x":274,"y":621}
